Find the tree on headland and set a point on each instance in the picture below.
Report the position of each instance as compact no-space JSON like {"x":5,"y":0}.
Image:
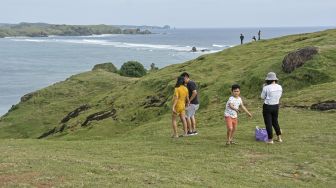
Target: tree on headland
{"x":132,"y":69}
{"x":166,"y":27}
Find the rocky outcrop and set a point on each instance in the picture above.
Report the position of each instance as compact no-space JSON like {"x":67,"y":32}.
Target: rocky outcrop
{"x":75,"y":113}
{"x":52,"y":131}
{"x":93,"y":117}
{"x":322,"y":106}
{"x":326,"y":105}
{"x":100,"y":116}
{"x":155,"y":101}
{"x":295,"y":106}
{"x":297,"y":58}
{"x":28,"y":96}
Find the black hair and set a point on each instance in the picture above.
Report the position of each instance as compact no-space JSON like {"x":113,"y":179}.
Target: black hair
{"x":268,"y":82}
{"x":235,"y":86}
{"x":180,"y":81}
{"x":185,"y":74}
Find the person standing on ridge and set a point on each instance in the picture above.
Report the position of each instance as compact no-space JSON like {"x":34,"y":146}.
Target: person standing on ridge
{"x":194,"y":104}
{"x":241,"y":38}
{"x":254,"y":38}
{"x":259,"y":33}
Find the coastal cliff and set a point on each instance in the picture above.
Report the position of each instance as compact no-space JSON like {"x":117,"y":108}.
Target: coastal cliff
{"x":44,"y":30}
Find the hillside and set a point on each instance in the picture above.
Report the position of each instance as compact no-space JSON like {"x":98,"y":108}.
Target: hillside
{"x":137,"y":101}
{"x":102,"y":130}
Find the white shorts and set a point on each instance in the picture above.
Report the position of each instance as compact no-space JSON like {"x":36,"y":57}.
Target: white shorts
{"x":191,"y":110}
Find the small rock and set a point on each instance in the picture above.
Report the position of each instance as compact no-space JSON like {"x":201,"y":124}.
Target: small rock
{"x":326,"y":105}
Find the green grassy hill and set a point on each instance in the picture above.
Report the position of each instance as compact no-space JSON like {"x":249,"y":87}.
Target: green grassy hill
{"x":132,"y":147}
{"x":215,"y":73}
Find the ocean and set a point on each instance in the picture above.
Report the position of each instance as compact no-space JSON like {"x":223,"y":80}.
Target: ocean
{"x":28,"y":64}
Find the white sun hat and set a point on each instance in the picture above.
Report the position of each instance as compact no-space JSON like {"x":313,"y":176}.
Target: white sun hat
{"x":271,"y":76}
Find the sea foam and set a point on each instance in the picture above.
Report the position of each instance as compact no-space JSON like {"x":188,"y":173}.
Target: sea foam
{"x":138,"y":46}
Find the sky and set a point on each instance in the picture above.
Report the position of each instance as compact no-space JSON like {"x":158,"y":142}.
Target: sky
{"x":176,"y":13}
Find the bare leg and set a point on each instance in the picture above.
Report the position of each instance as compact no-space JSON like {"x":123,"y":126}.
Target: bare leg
{"x":189,"y":124}
{"x":174,"y":124}
{"x":228,"y":134}
{"x":232,"y":132}
{"x":193,"y":123}
{"x":184,"y":122}
{"x":234,"y":128}
{"x":228,"y":121}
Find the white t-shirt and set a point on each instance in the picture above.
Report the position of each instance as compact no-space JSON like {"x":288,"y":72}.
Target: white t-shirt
{"x":271,"y":94}
{"x":235,"y":103}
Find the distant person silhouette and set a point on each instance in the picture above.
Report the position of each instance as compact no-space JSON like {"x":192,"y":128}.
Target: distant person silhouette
{"x":241,"y":38}
{"x":254,"y":38}
{"x":259,"y":33}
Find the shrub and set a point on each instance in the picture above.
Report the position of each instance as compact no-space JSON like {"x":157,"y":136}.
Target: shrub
{"x":132,"y":69}
{"x":109,"y":67}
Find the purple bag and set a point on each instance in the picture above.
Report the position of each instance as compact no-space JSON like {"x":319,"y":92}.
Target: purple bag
{"x":261,"y":134}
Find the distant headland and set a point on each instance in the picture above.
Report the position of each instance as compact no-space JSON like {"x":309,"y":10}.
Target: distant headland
{"x":45,"y":30}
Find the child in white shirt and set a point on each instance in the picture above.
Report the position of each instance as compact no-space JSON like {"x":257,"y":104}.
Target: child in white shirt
{"x":231,"y":112}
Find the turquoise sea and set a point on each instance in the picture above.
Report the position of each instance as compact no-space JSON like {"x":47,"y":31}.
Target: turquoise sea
{"x":29,"y":64}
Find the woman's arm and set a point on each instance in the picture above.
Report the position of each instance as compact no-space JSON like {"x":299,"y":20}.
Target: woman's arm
{"x":263,"y":93}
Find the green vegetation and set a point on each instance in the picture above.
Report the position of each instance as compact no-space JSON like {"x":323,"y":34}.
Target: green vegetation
{"x":133,"y":148}
{"x":44,"y":30}
{"x":109,"y":67}
{"x":132,"y":69}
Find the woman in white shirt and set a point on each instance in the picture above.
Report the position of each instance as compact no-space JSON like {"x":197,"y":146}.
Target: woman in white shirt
{"x":271,"y":94}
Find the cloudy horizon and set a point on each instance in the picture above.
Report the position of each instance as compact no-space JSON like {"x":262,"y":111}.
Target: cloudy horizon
{"x":179,"y":14}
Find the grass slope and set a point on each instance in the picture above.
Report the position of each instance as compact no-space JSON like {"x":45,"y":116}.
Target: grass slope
{"x":147,"y":157}
{"x":134,"y":149}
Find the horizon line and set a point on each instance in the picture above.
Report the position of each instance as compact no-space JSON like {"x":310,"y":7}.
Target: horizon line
{"x":179,"y":27}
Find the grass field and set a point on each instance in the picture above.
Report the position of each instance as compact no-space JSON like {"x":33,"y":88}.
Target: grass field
{"x":134,"y":149}
{"x":148,"y":157}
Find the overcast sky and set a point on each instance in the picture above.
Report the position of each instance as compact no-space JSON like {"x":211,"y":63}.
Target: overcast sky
{"x":177,"y":13}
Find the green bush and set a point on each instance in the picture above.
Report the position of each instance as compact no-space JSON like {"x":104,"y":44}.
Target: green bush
{"x":132,"y":69}
{"x":109,"y":67}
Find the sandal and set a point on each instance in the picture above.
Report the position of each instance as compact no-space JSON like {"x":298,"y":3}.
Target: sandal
{"x":233,"y":142}
{"x":278,"y":140}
